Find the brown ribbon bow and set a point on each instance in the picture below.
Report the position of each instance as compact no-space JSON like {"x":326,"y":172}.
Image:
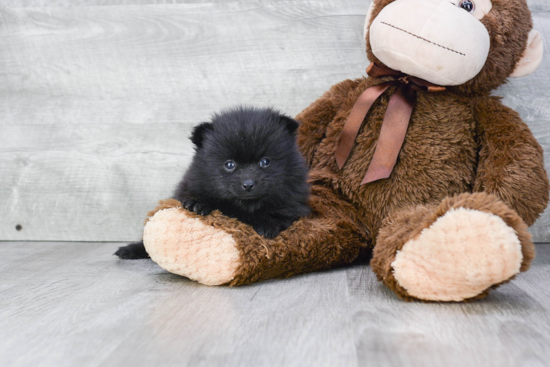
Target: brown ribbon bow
{"x":394,"y":126}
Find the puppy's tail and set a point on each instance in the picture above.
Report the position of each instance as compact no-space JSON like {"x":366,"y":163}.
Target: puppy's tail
{"x":133,"y":251}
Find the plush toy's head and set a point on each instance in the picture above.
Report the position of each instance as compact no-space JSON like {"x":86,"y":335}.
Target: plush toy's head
{"x":473,"y":45}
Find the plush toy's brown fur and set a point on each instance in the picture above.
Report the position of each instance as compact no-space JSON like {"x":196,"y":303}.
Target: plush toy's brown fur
{"x":463,"y":149}
{"x":460,"y":141}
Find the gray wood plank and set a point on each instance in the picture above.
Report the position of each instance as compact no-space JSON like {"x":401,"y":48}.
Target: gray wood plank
{"x":97,"y":98}
{"x":535,"y":5}
{"x":72,"y":3}
{"x":491,"y":332}
{"x":84,"y":307}
{"x":96,"y":102}
{"x":130,"y":165}
{"x":73,"y":304}
{"x":529,"y":96}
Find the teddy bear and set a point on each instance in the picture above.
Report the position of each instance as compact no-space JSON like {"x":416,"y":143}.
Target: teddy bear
{"x":417,"y":165}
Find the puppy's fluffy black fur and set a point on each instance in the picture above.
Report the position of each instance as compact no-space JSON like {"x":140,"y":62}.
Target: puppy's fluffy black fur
{"x":246,"y":165}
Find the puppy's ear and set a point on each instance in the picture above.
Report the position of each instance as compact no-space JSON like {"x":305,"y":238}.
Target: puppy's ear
{"x":199,"y":132}
{"x":289,"y":123}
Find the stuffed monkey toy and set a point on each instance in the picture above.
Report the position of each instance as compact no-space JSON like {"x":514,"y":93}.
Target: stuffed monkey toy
{"x":417,"y":164}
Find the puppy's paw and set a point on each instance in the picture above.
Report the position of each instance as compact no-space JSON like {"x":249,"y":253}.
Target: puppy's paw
{"x":189,"y":204}
{"x":133,"y":251}
{"x":197,"y":207}
{"x":271,"y":227}
{"x":268,"y":232}
{"x":202,"y":209}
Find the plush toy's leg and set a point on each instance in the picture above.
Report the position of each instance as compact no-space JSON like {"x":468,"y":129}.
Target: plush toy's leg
{"x":218,"y":250}
{"x":452,"y":252}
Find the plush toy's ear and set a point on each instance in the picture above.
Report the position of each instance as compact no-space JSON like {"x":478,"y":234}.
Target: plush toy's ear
{"x":199,"y":132}
{"x":532,"y":56}
{"x":289,"y":123}
{"x":367,"y":20}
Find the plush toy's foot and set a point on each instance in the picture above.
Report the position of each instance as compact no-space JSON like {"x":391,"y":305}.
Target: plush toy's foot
{"x":459,"y":250}
{"x":183,"y":244}
{"x":458,"y":257}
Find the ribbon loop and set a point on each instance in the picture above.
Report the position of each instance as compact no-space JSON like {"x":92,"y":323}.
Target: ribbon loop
{"x":355,"y":120}
{"x":395,"y":124}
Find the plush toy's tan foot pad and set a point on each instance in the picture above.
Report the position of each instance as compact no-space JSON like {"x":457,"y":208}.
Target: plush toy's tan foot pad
{"x":459,"y":256}
{"x":186,"y":246}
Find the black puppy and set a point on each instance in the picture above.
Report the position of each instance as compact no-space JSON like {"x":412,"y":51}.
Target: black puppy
{"x":246,"y":165}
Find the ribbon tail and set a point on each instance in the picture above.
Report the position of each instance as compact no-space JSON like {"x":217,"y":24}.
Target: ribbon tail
{"x":392,"y":135}
{"x":355,"y":120}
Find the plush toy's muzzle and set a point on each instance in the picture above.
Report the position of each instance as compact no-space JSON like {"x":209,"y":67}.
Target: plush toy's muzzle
{"x":434,"y":40}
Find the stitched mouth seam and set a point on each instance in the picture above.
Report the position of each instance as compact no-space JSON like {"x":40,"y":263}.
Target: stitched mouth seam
{"x":423,"y":39}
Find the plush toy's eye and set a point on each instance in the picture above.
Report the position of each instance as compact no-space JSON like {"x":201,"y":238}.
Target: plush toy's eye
{"x":265,"y":162}
{"x":468,"y":5}
{"x":229,"y":165}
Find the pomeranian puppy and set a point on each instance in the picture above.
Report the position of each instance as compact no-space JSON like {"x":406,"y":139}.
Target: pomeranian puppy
{"x":246,"y":165}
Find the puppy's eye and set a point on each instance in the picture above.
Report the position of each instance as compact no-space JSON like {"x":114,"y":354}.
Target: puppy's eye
{"x":229,"y":166}
{"x":468,"y":5}
{"x":265,"y":162}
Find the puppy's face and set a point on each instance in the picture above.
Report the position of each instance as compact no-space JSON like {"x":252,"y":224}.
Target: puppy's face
{"x":246,"y":157}
{"x":246,"y":178}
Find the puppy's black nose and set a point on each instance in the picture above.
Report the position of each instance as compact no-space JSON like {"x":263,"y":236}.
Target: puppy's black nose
{"x":248,"y":185}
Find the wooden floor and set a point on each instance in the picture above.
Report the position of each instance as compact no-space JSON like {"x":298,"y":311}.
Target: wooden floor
{"x":73,"y":304}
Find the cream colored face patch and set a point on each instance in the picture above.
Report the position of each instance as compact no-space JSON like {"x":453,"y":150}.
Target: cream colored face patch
{"x":481,"y":8}
{"x":435,"y":40}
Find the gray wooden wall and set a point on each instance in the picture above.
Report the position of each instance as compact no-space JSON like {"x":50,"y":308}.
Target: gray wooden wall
{"x":97,"y":99}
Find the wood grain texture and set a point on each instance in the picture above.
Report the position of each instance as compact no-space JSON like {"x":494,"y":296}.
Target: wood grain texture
{"x":529,"y":96}
{"x":97,"y":98}
{"x":73,"y":304}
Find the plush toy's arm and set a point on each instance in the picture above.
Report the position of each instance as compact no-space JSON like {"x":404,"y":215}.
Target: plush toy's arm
{"x":511,"y":162}
{"x":315,"y":118}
